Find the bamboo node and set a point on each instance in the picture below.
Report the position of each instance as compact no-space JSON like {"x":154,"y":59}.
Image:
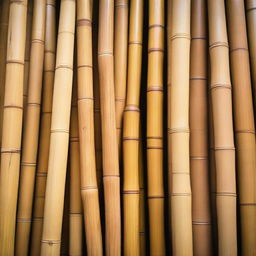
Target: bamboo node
{"x":198,"y":38}
{"x":52,"y":242}
{"x":247,"y":204}
{"x":154,"y":147}
{"x":155,"y":197}
{"x":15,"y":62}
{"x":41,"y":174}
{"x":238,"y":49}
{"x":155,"y":137}
{"x":64,"y":66}
{"x":131,"y":192}
{"x":59,"y":130}
{"x":13,"y":106}
{"x":201,"y":223}
{"x":135,"y":42}
{"x":224,"y":148}
{"x":10,"y":151}
{"x":220,"y":86}
{"x":74,"y":139}
{"x":84,"y":66}
{"x":226,"y":194}
{"x":180,"y":194}
{"x":250,"y":9}
{"x":180,"y":35}
{"x":155,"y":88}
{"x":156,"y":26}
{"x":150,"y":50}
{"x":245,"y":131}
{"x":178,"y":130}
{"x":23,"y":220}
{"x":131,"y":138}
{"x":198,"y":157}
{"x":84,"y":22}
{"x":120,"y":100}
{"x":105,"y":54}
{"x":121,"y":5}
{"x":36,"y":40}
{"x":131,"y":108}
{"x":198,"y":78}
{"x":85,"y":99}
{"x":28,"y":164}
{"x":218,"y":44}
{"x":89,"y":188}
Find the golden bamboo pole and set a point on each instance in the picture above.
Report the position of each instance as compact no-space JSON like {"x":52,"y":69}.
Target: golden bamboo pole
{"x":120,"y":62}
{"x":45,"y":126}
{"x":244,"y":123}
{"x":111,"y":178}
{"x":223,"y":129}
{"x":89,"y":189}
{"x":55,"y":186}
{"x":201,"y":217}
{"x":155,"y":127}
{"x":131,"y":131}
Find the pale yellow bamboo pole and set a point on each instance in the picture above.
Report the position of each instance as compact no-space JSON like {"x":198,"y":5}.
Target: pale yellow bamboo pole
{"x":111,"y":178}
{"x":12,"y":124}
{"x":45,"y":126}
{"x":223,"y":129}
{"x":55,"y":186}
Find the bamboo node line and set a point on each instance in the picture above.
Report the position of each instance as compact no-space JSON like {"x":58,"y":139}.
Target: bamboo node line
{"x":121,"y":5}
{"x":155,"y":147}
{"x":218,"y":44}
{"x":238,"y":49}
{"x":150,"y":50}
{"x":135,"y":42}
{"x":142,"y":232}
{"x":198,"y":157}
{"x":155,"y":197}
{"x":220,"y":86}
{"x":36,"y":40}
{"x":245,"y":131}
{"x":85,"y":99}
{"x":178,"y":130}
{"x":74,"y":139}
{"x":180,"y":35}
{"x":180,"y":194}
{"x":11,"y":151}
{"x":156,"y":26}
{"x":51,"y":4}
{"x":201,"y":223}
{"x":41,"y":174}
{"x":226,"y":194}
{"x":120,"y":100}
{"x":89,"y":188}
{"x":75,"y":214}
{"x":23,"y":220}
{"x":155,"y":88}
{"x":35,"y":104}
{"x":247,"y":204}
{"x":110,"y":175}
{"x":84,"y":66}
{"x":198,"y":38}
{"x":20,"y":2}
{"x":224,"y":148}
{"x":155,"y":137}
{"x":52,"y":242}
{"x":131,"y":108}
{"x":250,"y":9}
{"x":105,"y":54}
{"x":64,"y":66}
{"x":197,"y":78}
{"x":15,"y":62}
{"x":59,"y":130}
{"x":28,"y":164}
{"x":130,"y":192}
{"x":66,"y":31}
{"x":131,"y":138}
{"x":13,"y":106}
{"x":84,"y":22}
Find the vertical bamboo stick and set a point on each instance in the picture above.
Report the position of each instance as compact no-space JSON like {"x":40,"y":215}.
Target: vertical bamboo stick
{"x":223,"y":129}
{"x":244,"y":123}
{"x":55,"y":187}
{"x":45,"y":126}
{"x":201,"y":218}
{"x":131,"y":131}
{"x":111,"y":178}
{"x":89,"y":189}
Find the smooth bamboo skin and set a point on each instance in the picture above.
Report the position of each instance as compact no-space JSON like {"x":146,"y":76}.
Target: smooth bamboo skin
{"x":120,"y":62}
{"x":155,"y":128}
{"x":55,"y":186}
{"x":201,"y":217}
{"x":223,"y":129}
{"x":89,"y":188}
{"x":111,"y":178}
{"x":244,"y":123}
{"x":131,"y":132}
{"x":12,"y":125}
{"x":45,"y":127}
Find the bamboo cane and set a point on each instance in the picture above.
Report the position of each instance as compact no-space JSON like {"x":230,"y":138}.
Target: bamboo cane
{"x":131,"y":131}
{"x":45,"y":126}
{"x":223,"y":129}
{"x":89,"y":189}
{"x":120,"y":62}
{"x":155,"y":127}
{"x":53,"y":211}
{"x":201,"y":218}
{"x":12,"y":124}
{"x":178,"y":86}
{"x":244,"y":123}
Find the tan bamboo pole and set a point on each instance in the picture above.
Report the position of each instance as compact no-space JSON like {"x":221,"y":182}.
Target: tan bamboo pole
{"x":244,"y":123}
{"x":155,"y":127}
{"x":12,"y":124}
{"x":55,"y":186}
{"x":89,"y":188}
{"x":120,"y":62}
{"x":45,"y":126}
{"x":131,"y":131}
{"x":201,"y":217}
{"x":223,"y":129}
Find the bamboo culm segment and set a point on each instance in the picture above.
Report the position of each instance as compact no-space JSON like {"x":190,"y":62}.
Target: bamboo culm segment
{"x":55,"y":187}
{"x":12,"y":124}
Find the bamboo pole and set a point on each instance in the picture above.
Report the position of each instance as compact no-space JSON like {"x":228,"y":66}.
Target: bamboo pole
{"x":201,"y":217}
{"x":45,"y":126}
{"x":223,"y":129}
{"x":244,"y":123}
{"x":89,"y":188}
{"x":155,"y":127}
{"x":55,"y":187}
{"x":131,"y":131}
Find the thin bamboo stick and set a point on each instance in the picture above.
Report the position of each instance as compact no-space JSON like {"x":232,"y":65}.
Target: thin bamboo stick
{"x":244,"y":123}
{"x":111,"y":178}
{"x":89,"y":189}
{"x":223,"y":129}
{"x":45,"y":126}
{"x":201,"y":217}
{"x":131,"y":131}
{"x":55,"y":187}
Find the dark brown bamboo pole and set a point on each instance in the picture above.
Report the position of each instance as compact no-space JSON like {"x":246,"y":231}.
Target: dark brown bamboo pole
{"x":45,"y":126}
{"x":223,"y":129}
{"x":131,"y":131}
{"x":89,"y":188}
{"x":55,"y":186}
{"x":243,"y":122}
{"x":201,"y":217}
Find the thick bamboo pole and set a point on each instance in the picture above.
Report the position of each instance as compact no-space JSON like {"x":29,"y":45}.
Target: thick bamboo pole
{"x":155,"y":127}
{"x":223,"y":129}
{"x":244,"y":123}
{"x":131,"y":132}
{"x":201,"y":217}
{"x":89,"y":188}
{"x":12,"y":124}
{"x":111,"y":178}
{"x":45,"y":126}
{"x":120,"y":62}
{"x":55,"y":187}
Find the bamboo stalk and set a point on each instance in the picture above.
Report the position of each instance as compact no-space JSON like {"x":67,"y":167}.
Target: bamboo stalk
{"x":201,"y":217}
{"x":223,"y":129}
{"x":89,"y":189}
{"x":55,"y":187}
{"x":178,"y":86}
{"x":244,"y":123}
{"x":111,"y":179}
{"x":45,"y":126}
{"x":131,"y":131}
